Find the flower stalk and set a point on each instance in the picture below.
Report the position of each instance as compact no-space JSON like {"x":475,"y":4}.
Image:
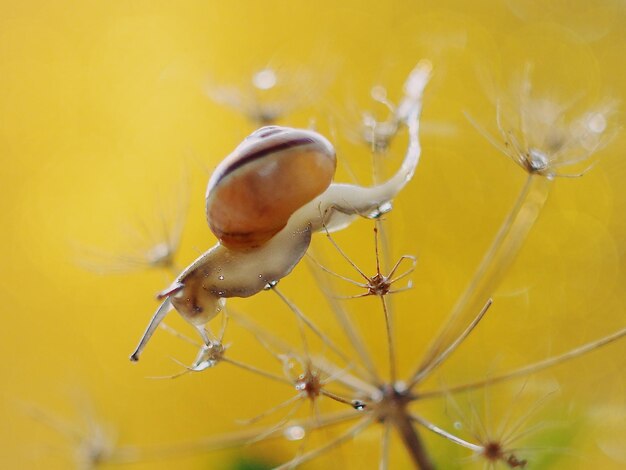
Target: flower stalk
{"x":494,"y":265}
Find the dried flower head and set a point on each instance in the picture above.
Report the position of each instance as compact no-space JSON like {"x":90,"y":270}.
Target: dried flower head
{"x":500,"y":445}
{"x":93,"y":443}
{"x":270,"y":93}
{"x":151,"y":242}
{"x":378,"y":284}
{"x":378,"y":127}
{"x":548,"y":137}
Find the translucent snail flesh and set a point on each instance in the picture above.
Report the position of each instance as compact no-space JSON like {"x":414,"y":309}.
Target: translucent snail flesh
{"x":260,"y":242}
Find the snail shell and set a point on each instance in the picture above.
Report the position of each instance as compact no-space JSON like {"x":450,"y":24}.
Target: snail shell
{"x":272,"y":173}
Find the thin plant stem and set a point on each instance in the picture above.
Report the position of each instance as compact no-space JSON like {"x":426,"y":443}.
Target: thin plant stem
{"x":272,"y":410}
{"x":347,"y":258}
{"x":255,"y":370}
{"x":232,"y":440}
{"x":445,"y":434}
{"x":281,"y":424}
{"x":349,"y":330}
{"x":513,"y":433}
{"x":302,"y":332}
{"x":339,"y":276}
{"x":335,"y":397}
{"x":387,"y":305}
{"x":384,"y":447}
{"x":385,"y":242}
{"x":390,"y":342}
{"x":342,"y":377}
{"x":349,"y":434}
{"x":531,"y":368}
{"x":496,"y":262}
{"x":412,"y":441}
{"x":315,"y":329}
{"x":265,"y":338}
{"x":436,"y":362}
{"x":54,"y":422}
{"x":335,"y":373}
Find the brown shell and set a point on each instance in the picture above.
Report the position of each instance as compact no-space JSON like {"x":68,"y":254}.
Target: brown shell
{"x":270,"y":175}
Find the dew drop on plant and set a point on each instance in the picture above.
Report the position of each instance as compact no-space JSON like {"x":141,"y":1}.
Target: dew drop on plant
{"x":264,"y":79}
{"x":294,"y":433}
{"x":358,"y":405}
{"x":538,"y":161}
{"x":158,"y":253}
{"x":203,"y":365}
{"x":208,"y":357}
{"x":380,"y":210}
{"x":596,"y":123}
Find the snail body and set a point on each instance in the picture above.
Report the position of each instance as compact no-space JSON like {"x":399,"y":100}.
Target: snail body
{"x":238,"y":273}
{"x":264,"y":202}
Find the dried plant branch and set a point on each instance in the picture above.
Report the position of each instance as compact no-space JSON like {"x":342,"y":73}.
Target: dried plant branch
{"x":496,"y":262}
{"x":531,"y":368}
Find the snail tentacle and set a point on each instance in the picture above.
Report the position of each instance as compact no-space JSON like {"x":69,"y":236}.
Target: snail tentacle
{"x":340,"y":203}
{"x":157,"y":318}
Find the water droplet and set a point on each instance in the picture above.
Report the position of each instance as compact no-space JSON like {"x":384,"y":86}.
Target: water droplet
{"x":260,"y":276}
{"x":538,"y":160}
{"x":264,"y":79}
{"x":596,"y":123}
{"x":159,"y":254}
{"x":203,"y":365}
{"x":400,"y":386}
{"x":458,"y":425}
{"x":380,"y":210}
{"x":294,"y":433}
{"x":220,"y":277}
{"x":270,"y":285}
{"x":358,"y":405}
{"x":208,"y":356}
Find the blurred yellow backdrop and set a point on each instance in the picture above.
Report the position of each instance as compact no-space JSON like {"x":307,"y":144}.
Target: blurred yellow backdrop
{"x":106,"y":121}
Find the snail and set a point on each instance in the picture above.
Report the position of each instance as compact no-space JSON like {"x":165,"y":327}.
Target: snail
{"x":263,"y":203}
{"x":272,"y":173}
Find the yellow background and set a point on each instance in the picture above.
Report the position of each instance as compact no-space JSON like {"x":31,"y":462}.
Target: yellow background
{"x":103,"y":112}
